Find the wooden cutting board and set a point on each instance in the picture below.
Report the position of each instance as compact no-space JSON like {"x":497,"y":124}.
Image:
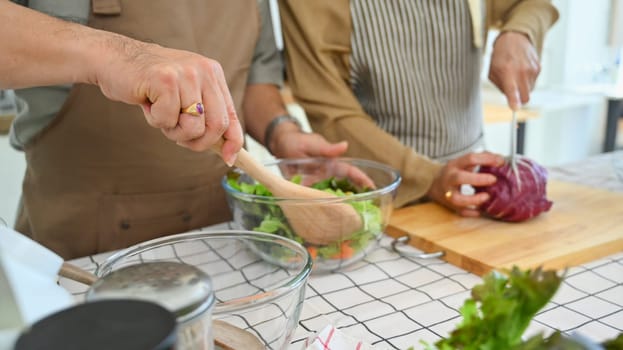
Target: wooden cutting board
{"x":584,"y":224}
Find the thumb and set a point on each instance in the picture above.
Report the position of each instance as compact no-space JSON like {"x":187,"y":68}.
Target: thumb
{"x":330,"y":150}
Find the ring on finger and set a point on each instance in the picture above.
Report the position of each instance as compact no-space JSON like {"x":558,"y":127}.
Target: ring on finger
{"x":195,"y":109}
{"x":448,"y":194}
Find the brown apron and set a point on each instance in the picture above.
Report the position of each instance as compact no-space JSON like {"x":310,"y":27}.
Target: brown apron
{"x":99,"y":178}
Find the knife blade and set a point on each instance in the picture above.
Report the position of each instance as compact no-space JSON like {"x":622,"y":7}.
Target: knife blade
{"x":513,"y":151}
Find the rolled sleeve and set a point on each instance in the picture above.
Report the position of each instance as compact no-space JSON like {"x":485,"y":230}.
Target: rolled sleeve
{"x":531,"y":17}
{"x":267,"y":66}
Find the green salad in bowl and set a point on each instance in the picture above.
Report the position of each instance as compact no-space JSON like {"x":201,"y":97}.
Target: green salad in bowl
{"x":369,"y":187}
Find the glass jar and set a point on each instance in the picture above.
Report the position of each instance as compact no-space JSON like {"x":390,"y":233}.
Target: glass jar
{"x":258,"y":278}
{"x":120,"y":324}
{"x":181,"y":288}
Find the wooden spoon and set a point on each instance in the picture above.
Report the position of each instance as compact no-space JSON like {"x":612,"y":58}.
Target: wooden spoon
{"x":77,"y":274}
{"x":230,"y":337}
{"x":320,"y":223}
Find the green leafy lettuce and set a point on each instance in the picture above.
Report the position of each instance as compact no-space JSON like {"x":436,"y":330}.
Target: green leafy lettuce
{"x":268,"y":217}
{"x":499,"y":311}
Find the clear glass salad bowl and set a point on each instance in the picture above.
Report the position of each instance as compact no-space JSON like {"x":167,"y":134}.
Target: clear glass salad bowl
{"x":370,"y":187}
{"x":263,"y":297}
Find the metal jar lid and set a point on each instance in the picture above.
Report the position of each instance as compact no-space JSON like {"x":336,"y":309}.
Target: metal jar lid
{"x":183,"y":289}
{"x":120,"y":324}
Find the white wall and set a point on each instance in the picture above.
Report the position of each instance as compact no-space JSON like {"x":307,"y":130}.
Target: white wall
{"x":586,"y":56}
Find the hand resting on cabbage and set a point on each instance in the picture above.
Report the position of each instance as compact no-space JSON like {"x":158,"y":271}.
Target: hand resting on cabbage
{"x":499,"y":194}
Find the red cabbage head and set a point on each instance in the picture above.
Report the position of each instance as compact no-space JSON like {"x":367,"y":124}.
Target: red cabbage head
{"x":515,"y":198}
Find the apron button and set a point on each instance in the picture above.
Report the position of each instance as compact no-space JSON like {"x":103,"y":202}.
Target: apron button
{"x":187,"y":217}
{"x":124,"y":225}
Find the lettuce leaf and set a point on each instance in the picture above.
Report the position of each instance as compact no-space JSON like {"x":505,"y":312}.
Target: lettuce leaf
{"x":267,"y":217}
{"x":500,"y":309}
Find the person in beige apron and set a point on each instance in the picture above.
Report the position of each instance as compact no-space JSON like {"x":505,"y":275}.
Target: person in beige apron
{"x":98,"y":178}
{"x":400,"y":81}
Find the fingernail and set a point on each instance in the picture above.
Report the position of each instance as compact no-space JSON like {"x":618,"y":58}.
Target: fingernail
{"x":231,"y":160}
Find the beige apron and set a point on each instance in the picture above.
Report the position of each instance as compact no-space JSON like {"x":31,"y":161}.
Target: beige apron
{"x":99,"y":178}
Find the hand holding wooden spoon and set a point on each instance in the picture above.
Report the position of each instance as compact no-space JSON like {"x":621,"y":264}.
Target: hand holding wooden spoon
{"x":322,"y":222}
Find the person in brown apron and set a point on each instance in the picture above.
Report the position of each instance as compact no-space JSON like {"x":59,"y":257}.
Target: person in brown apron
{"x":99,"y":178}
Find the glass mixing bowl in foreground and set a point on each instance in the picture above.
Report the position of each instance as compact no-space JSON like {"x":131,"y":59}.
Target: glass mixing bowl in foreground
{"x":368,"y":187}
{"x":262,"y":297}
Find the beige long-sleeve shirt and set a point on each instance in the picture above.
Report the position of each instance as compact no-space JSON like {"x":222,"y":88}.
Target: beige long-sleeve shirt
{"x":319,"y":51}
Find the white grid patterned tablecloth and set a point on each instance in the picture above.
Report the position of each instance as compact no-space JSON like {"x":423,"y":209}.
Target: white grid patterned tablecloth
{"x":393,"y":302}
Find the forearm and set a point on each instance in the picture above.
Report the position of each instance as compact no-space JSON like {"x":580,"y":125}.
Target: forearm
{"x":261,"y":104}
{"x":41,"y":50}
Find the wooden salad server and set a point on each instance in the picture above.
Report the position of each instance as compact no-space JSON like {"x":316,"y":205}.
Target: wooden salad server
{"x":77,"y":274}
{"x":317,"y":223}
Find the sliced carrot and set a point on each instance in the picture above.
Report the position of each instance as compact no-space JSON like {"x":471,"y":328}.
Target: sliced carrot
{"x":313,"y":252}
{"x":346,"y":250}
{"x":337,"y":255}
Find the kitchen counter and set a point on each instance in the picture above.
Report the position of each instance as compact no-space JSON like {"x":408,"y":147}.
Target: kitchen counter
{"x":393,"y":302}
